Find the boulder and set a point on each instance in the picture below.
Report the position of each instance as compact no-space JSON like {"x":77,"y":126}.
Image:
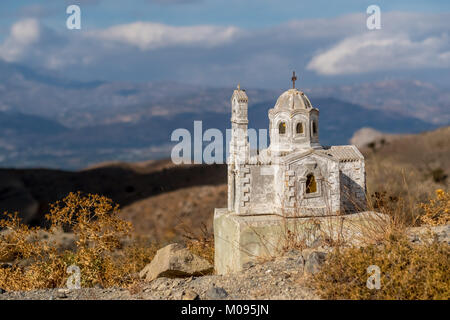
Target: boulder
{"x":313,"y":260}
{"x":216,"y":293}
{"x":174,"y":261}
{"x":365,"y":136}
{"x":189,"y":295}
{"x":426,"y":234}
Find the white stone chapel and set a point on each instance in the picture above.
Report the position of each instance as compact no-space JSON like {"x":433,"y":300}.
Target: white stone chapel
{"x":295,"y":175}
{"x":295,"y":184}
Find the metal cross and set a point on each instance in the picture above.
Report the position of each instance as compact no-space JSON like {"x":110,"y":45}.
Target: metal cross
{"x":294,"y":77}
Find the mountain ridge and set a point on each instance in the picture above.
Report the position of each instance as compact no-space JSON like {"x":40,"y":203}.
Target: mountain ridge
{"x":68,"y":124}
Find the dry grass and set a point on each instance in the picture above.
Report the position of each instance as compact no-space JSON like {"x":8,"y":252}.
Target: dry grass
{"x":437,"y":210}
{"x":407,"y":272}
{"x":201,"y":244}
{"x":404,"y":172}
{"x":98,"y":231}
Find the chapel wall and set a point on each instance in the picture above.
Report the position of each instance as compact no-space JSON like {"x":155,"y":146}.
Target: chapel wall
{"x":262,"y":193}
{"x":353,"y":193}
{"x":327,"y":199}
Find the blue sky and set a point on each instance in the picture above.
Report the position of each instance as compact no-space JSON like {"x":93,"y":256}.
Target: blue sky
{"x":243,"y":13}
{"x":256,"y":41}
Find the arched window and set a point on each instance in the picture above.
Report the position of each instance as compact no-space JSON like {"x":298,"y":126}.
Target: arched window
{"x":311,"y":185}
{"x":282,"y":128}
{"x":299,"y":128}
{"x":314,"y":128}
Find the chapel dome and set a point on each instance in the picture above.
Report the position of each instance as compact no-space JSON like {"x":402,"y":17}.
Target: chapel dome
{"x":293,"y":99}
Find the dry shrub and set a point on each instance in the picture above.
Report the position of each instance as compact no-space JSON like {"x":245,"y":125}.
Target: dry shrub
{"x":390,"y":217}
{"x":407,"y":272}
{"x":200,"y":244}
{"x":19,"y":241}
{"x":99,"y":233}
{"x":436,"y":211}
{"x":93,"y":219}
{"x":21,"y":244}
{"x":396,"y":189}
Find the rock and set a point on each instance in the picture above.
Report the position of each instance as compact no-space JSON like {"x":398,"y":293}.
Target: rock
{"x":429,"y":233}
{"x":300,"y":264}
{"x":174,"y":261}
{"x":189,"y":295}
{"x":61,"y":294}
{"x":248,"y":265}
{"x":313,"y":261}
{"x":216,"y":293}
{"x":364,"y":136}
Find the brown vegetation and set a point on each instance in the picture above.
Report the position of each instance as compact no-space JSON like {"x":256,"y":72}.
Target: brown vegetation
{"x":407,"y":272}
{"x":99,"y":233}
{"x":404,"y":172}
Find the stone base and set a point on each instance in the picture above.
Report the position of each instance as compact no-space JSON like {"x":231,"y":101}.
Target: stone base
{"x":242,"y":239}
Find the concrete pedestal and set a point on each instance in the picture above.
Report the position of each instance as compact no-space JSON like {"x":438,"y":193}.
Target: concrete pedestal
{"x":241,"y":239}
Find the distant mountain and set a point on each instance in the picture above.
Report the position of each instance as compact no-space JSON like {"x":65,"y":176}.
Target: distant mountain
{"x":11,"y":72}
{"x":338,"y":120}
{"x":77,"y":104}
{"x":49,"y":121}
{"x":149,"y":138}
{"x":411,"y":98}
{"x":17,"y":123}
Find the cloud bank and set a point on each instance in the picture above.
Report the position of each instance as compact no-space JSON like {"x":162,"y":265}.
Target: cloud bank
{"x":318,"y":49}
{"x":148,"y":35}
{"x":23,"y":34}
{"x":381,"y":52}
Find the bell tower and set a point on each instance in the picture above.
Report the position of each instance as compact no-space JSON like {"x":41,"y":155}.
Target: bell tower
{"x":239,"y":146}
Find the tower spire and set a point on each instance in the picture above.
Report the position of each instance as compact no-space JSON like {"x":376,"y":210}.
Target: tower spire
{"x":294,"y":78}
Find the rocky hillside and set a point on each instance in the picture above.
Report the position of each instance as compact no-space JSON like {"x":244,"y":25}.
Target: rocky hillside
{"x":277,"y":279}
{"x":29,"y":191}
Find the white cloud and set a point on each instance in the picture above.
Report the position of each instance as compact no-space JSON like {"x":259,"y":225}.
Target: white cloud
{"x":23,"y":34}
{"x":148,"y":35}
{"x":378,"y":51}
{"x":332,"y":46}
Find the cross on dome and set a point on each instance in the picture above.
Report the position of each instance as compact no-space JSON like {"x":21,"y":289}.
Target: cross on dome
{"x":294,"y":78}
